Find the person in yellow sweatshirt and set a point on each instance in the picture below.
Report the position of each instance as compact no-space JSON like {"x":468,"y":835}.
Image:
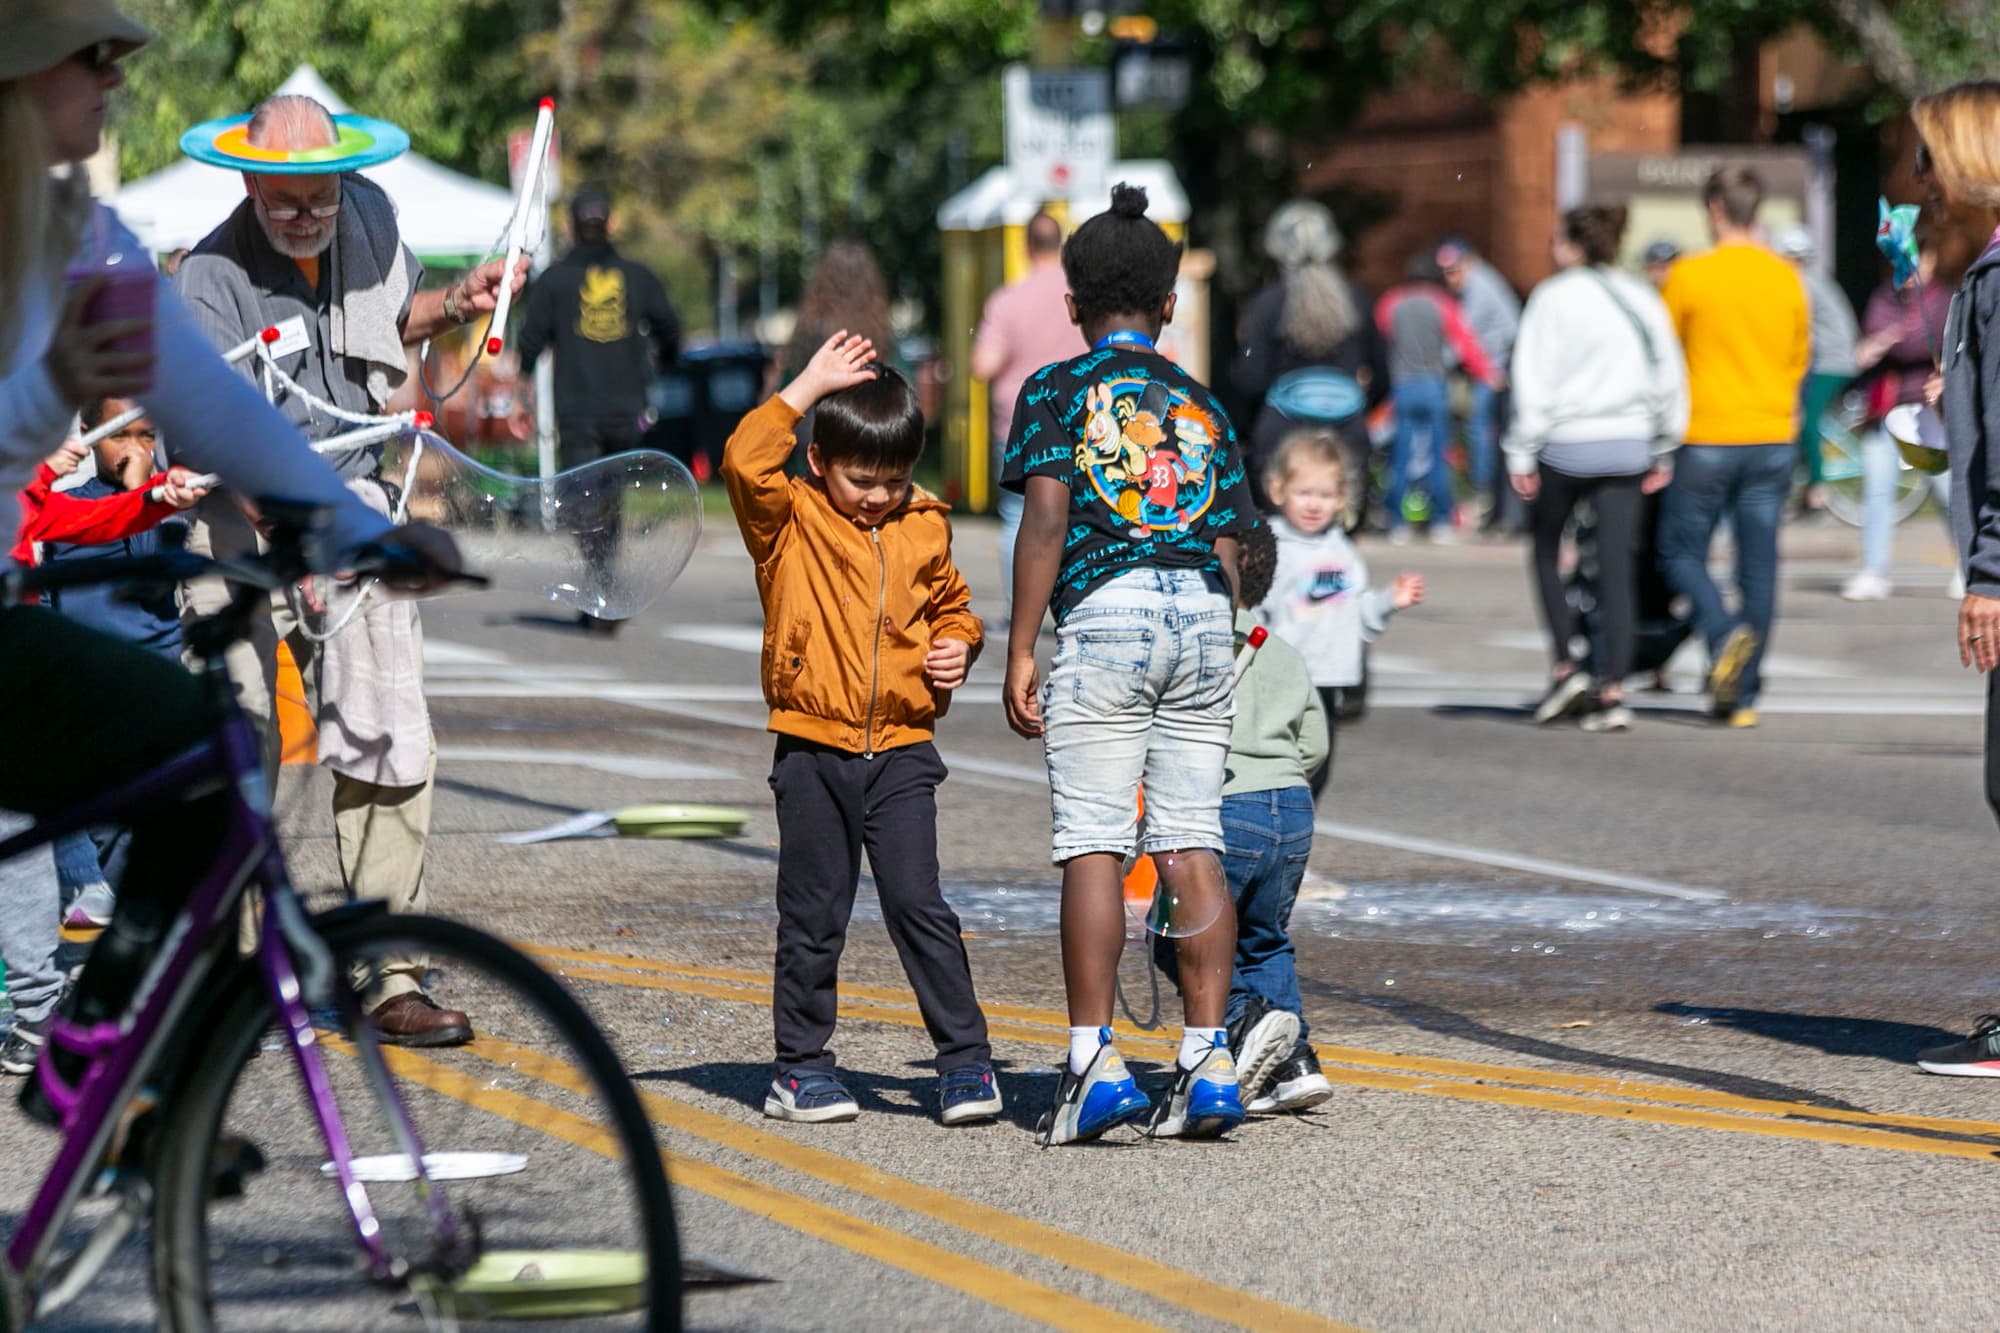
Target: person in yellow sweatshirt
{"x":1745,"y":328}
{"x":868,"y":628}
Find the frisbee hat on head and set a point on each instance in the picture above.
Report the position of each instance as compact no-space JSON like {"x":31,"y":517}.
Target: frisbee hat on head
{"x":41,"y":34}
{"x":360,"y":141}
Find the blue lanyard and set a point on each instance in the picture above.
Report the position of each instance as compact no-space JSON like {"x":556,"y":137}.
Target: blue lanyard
{"x":1124,"y":338}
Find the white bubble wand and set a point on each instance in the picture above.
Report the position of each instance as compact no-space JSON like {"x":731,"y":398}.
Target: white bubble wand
{"x":107,"y":429}
{"x":517,"y":230}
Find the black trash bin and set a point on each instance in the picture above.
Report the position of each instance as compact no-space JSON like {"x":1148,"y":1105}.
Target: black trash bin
{"x":699,"y":399}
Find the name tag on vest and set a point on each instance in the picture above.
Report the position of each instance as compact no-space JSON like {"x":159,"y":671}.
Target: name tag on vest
{"x":292,"y":337}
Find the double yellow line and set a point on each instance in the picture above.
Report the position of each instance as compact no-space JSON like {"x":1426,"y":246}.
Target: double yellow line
{"x":1506,"y":1085}
{"x":996,"y":1286}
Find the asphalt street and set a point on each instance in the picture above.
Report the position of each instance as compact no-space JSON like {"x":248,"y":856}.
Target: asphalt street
{"x":1620,"y":1026}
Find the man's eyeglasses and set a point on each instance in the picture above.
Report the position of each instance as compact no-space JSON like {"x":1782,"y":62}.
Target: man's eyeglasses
{"x":100,"y":57}
{"x":320,"y":213}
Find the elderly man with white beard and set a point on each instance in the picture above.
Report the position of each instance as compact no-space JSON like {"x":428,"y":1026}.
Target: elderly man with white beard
{"x":314,"y":251}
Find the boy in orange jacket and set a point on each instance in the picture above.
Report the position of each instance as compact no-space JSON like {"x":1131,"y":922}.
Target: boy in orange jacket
{"x":868,"y":628}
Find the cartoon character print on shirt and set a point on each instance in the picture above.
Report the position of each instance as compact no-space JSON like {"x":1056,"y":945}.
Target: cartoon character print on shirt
{"x":600,"y":314}
{"x":1146,"y":449}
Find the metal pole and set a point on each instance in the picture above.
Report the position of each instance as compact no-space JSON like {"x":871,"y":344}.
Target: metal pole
{"x":1572,"y":167}
{"x":1819,"y":141}
{"x":767,"y":244}
{"x":545,"y":377}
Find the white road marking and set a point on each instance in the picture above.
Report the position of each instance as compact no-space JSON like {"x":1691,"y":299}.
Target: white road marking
{"x":1533,"y":865}
{"x":439,"y":651}
{"x":652,"y":767}
{"x":1027,"y":775}
{"x":738,"y":638}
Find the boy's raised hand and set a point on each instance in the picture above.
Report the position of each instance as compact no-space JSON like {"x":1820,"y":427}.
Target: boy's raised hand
{"x":1406,"y":591}
{"x":840,"y":363}
{"x":946,"y":663}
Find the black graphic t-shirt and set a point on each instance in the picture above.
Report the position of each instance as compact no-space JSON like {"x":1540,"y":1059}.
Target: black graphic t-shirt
{"x":1154,"y":471}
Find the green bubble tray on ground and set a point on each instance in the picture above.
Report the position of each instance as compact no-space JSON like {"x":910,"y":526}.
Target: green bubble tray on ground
{"x":679,"y":821}
{"x":549,"y":1284}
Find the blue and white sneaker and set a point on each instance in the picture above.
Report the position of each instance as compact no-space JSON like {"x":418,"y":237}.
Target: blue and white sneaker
{"x":968,"y":1093}
{"x":1103,"y":1097}
{"x":1203,"y":1103}
{"x":810,"y":1096}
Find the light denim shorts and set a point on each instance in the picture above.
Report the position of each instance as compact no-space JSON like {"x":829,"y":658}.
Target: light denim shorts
{"x":1140,"y":690}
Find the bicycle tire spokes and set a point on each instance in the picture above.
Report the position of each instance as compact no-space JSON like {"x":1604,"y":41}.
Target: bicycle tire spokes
{"x":510,"y":1175}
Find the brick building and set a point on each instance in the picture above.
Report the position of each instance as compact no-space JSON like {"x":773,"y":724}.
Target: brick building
{"x":1426,"y":160}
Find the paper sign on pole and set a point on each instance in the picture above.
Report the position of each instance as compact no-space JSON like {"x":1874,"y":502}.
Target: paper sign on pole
{"x":1061,"y":134}
{"x":519,"y":144}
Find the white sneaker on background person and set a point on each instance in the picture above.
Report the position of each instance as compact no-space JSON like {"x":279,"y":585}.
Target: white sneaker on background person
{"x":1867,"y":586}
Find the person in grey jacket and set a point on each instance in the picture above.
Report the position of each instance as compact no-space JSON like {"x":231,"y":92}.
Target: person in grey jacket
{"x":1834,"y":366}
{"x":1494,"y":313}
{"x":1958,"y":162}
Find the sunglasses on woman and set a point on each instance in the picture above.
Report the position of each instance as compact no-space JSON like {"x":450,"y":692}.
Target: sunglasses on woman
{"x":100,"y":57}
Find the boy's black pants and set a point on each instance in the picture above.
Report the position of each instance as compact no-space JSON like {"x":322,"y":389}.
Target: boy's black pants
{"x":831,"y":805}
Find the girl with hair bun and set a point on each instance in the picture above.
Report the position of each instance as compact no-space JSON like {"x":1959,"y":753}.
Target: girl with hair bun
{"x":1134,"y":495}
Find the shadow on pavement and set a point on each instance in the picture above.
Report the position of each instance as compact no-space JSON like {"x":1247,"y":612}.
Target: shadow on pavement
{"x":1432,"y":1018}
{"x":1897,"y":1043}
{"x":1026,"y":1092}
{"x":534,"y":620}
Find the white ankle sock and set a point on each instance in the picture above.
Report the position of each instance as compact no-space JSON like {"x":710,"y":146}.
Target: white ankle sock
{"x":1083,"y":1044}
{"x":1195,"y":1043}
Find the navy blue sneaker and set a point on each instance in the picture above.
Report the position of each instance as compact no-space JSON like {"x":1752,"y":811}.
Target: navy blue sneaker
{"x":1101,"y":1098}
{"x":1203,"y":1103}
{"x":968,"y":1093}
{"x":811,"y":1096}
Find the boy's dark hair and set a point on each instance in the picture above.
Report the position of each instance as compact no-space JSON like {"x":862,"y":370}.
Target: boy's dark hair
{"x":1738,"y":190}
{"x":877,"y":423}
{"x":1120,"y":262}
{"x":92,"y":414}
{"x":1256,"y":565}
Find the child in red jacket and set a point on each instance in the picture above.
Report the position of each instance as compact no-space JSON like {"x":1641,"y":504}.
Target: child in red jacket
{"x":126,"y":459}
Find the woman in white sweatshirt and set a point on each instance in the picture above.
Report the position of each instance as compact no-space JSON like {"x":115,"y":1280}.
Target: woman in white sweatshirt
{"x":1600,"y":403}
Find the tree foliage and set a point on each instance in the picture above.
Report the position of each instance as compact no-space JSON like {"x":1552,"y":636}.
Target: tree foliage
{"x":725,"y":126}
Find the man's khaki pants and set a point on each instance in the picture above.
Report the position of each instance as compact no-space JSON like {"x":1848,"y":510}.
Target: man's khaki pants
{"x":380,"y":831}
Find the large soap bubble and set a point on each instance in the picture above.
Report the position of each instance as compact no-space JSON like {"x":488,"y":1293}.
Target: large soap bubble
{"x":605,"y":538}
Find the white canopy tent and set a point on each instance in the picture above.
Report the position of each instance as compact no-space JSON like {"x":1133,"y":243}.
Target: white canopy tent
{"x":446,"y":218}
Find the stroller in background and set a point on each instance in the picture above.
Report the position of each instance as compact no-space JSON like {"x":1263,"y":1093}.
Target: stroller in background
{"x":1657,"y":632}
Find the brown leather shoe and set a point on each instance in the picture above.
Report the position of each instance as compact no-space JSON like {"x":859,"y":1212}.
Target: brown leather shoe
{"x":412,"y":1019}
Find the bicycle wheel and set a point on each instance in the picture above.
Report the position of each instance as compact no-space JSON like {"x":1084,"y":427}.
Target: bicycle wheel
{"x":548,"y":1198}
{"x":1841,"y":430}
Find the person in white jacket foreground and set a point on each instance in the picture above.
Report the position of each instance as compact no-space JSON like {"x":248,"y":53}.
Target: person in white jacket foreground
{"x":1600,"y":404}
{"x":56,"y":68}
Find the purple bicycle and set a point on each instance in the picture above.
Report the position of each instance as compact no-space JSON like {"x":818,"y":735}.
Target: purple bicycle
{"x":298,"y":1171}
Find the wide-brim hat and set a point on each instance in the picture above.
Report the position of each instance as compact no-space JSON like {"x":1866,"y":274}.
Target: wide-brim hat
{"x":361,"y":141}
{"x":41,"y":34}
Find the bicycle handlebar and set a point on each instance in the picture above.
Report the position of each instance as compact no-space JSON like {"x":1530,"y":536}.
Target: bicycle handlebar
{"x":297,"y":548}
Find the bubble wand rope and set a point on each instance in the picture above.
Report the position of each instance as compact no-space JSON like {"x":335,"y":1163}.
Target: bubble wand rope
{"x":534,"y":185}
{"x":105,"y":430}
